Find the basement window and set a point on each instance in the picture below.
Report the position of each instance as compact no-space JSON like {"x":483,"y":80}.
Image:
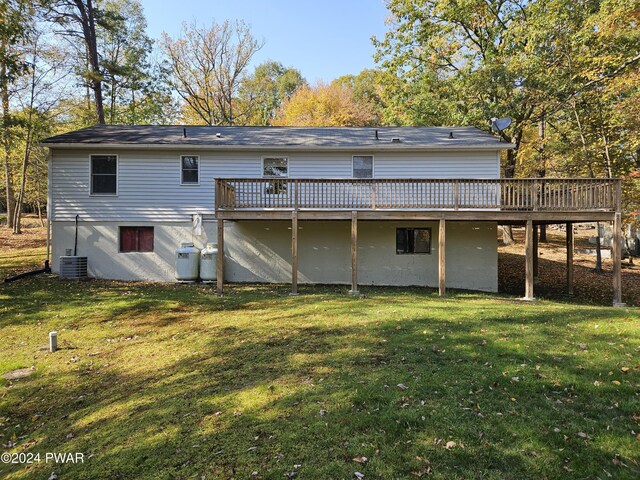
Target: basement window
{"x":136,"y":239}
{"x":190,"y":166}
{"x":413,"y":240}
{"x":104,"y":175}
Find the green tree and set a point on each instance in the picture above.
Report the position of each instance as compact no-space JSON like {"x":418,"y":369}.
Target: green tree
{"x":266,"y":88}
{"x":13,"y":30}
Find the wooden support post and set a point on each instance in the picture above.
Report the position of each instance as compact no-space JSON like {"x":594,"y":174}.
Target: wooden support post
{"x":294,"y":252}
{"x":528,"y":294}
{"x":570,"y":245}
{"x":536,"y":254}
{"x":354,"y":253}
{"x":442,"y":282}
{"x":616,"y":254}
{"x":220,"y":265}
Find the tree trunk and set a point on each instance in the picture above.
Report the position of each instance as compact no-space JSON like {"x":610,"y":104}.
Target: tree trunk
{"x":8,"y":177}
{"x":543,"y":233}
{"x":23,"y":183}
{"x":507,"y":235}
{"x":598,"y":268}
{"x":89,"y":32}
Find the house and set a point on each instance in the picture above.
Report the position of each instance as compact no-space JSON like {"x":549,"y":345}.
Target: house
{"x":355,"y":206}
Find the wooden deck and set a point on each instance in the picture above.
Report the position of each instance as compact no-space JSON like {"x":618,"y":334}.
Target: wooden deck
{"x":499,"y":199}
{"x":529,"y":201}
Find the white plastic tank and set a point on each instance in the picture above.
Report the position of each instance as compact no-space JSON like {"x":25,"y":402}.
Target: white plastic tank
{"x":187,"y":263}
{"x":208,"y":263}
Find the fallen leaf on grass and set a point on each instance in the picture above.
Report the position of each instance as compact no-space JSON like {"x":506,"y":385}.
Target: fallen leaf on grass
{"x":624,"y":369}
{"x":358,"y":475}
{"x":583,"y":346}
{"x":583,"y":435}
{"x":361,"y":459}
{"x":402,"y":386}
{"x":450,"y":444}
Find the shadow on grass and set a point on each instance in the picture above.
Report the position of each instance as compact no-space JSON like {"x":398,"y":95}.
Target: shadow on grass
{"x":289,"y":385}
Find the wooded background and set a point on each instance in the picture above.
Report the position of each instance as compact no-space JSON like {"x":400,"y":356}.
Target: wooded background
{"x":566,"y":72}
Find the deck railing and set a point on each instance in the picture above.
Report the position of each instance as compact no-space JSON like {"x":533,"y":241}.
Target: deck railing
{"x":539,"y":194}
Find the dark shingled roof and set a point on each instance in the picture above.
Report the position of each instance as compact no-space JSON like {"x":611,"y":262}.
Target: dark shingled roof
{"x":247,"y":137}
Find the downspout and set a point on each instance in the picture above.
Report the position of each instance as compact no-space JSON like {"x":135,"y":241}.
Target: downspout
{"x":47,"y":262}
{"x":48,"y":209}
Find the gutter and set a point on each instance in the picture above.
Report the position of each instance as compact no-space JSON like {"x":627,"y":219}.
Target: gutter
{"x":281,"y":148}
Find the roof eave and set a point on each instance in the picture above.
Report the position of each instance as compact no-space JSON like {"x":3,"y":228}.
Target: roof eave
{"x":272,"y":148}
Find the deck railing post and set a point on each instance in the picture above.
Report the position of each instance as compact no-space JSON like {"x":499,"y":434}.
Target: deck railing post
{"x":456,"y":194}
{"x":373,"y":194}
{"x":534,"y":195}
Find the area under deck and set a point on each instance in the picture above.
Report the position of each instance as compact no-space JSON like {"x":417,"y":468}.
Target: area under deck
{"x":528,"y":202}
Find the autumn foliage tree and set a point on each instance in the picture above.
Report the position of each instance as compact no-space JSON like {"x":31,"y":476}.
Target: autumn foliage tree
{"x":329,"y":105}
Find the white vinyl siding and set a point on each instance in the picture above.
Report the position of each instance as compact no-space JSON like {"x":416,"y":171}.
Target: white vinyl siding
{"x":149,"y":187}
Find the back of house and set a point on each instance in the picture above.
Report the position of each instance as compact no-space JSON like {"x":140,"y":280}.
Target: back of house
{"x":126,"y":198}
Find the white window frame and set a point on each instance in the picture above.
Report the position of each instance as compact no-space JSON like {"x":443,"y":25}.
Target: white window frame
{"x":279,"y":157}
{"x":189,"y":184}
{"x":373,"y":165}
{"x":91,"y":194}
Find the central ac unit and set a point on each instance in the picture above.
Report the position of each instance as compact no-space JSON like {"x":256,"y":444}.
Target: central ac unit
{"x":73,"y":267}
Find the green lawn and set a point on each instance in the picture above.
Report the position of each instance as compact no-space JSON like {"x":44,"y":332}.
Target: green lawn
{"x":171,"y":381}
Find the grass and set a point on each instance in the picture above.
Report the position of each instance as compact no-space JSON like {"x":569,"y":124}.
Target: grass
{"x":171,"y":381}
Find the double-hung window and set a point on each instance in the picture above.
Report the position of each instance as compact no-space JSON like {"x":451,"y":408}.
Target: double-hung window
{"x":104,"y":175}
{"x":362,"y":166}
{"x":413,"y":240}
{"x":276,"y":168}
{"x":190,"y":171}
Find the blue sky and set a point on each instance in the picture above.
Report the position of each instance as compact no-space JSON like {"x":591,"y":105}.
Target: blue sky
{"x":323,"y":39}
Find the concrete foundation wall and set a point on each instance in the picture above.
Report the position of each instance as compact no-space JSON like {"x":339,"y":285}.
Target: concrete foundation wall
{"x":260,"y":251}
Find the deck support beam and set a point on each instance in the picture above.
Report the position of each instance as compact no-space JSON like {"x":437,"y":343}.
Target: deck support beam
{"x":442,"y":275}
{"x":528,"y":293}
{"x":570,"y":246}
{"x":616,"y":254}
{"x":220,"y":259}
{"x":294,"y":252}
{"x":536,"y":254}
{"x":354,"y":253}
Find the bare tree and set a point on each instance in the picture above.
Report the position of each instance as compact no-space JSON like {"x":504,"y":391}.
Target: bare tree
{"x":207,"y":66}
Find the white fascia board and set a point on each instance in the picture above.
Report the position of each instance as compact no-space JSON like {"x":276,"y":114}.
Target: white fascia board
{"x":279,"y":148}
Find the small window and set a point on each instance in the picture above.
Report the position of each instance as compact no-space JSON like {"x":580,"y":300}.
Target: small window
{"x":276,"y":167}
{"x":190,"y":169}
{"x":136,"y":239}
{"x":362,"y":166}
{"x":104,"y":175}
{"x":413,"y":240}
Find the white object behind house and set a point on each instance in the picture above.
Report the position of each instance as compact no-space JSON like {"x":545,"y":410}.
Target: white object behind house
{"x":187,"y":263}
{"x":197,"y":225}
{"x":208,"y":263}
